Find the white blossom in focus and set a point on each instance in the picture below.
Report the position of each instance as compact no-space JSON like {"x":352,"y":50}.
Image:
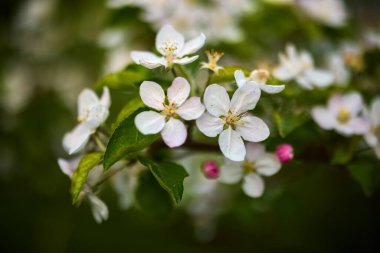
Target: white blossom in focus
{"x":342,"y":114}
{"x":258,"y":78}
{"x":230,"y":119}
{"x":257,"y":163}
{"x":173,"y":48}
{"x":372,"y":137}
{"x":92,"y":112}
{"x":171,"y":109}
{"x":300,"y":67}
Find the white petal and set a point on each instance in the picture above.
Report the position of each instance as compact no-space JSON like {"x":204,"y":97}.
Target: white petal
{"x":75,"y":140}
{"x":105,"y":100}
{"x":353,"y":102}
{"x":319,"y":78}
{"x":253,"y":185}
{"x":254,"y":151}
{"x":323,"y":117}
{"x":209,"y":125}
{"x":168,"y":34}
{"x":272,"y":89}
{"x":240,"y":78}
{"x":150,"y":122}
{"x":231,"y":144}
{"x":174,"y":133}
{"x":216,"y":100}
{"x":86,"y":100}
{"x":148,"y":59}
{"x":68,"y":167}
{"x":371,"y":139}
{"x":244,"y":99}
{"x":178,"y":91}
{"x":99,"y":208}
{"x":96,"y":116}
{"x":252,"y":128}
{"x":191,"y":109}
{"x":268,"y":165}
{"x":185,"y":60}
{"x":231,"y":172}
{"x":282,"y":73}
{"x":344,"y":129}
{"x":335,"y":103}
{"x":152,"y":95}
{"x":304,"y":82}
{"x":375,"y":111}
{"x":193,"y":45}
{"x":359,"y":125}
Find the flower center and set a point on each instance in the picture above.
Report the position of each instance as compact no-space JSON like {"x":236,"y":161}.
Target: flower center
{"x":169,"y":47}
{"x":169,"y":110}
{"x":230,"y":119}
{"x":260,"y":75}
{"x":248,"y":167}
{"x":343,"y":115}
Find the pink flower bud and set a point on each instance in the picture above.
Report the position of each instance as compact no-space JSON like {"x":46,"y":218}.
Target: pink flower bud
{"x":284,"y":153}
{"x":210,"y":169}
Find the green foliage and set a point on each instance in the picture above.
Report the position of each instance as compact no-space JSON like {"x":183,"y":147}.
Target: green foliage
{"x":366,"y":174}
{"x":287,"y":123}
{"x":125,"y":140}
{"x":127,"y":110}
{"x":129,"y":78}
{"x":169,"y":175}
{"x":151,"y":198}
{"x":227,"y":74}
{"x":344,"y":153}
{"x":87,"y":163}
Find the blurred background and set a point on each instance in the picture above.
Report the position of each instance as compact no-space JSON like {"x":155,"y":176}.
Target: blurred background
{"x":51,"y":49}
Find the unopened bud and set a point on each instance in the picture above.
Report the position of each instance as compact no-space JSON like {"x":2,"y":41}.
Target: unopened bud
{"x":284,"y":153}
{"x":210,"y":169}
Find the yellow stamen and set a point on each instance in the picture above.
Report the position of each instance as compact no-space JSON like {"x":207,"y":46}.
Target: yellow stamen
{"x":343,"y":115}
{"x":213,"y":57}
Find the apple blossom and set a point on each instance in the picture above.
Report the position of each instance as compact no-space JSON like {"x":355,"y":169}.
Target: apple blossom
{"x":213,"y":58}
{"x":372,"y":137}
{"x":300,"y":67}
{"x":172,"y":108}
{"x":171,"y":45}
{"x":342,"y":114}
{"x":258,"y":78}
{"x":257,"y":163}
{"x":229,"y":119}
{"x":98,"y":207}
{"x":92,"y":112}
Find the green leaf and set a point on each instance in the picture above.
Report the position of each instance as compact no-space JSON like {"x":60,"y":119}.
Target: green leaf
{"x":366,"y":174}
{"x":126,"y":139}
{"x":343,"y":153}
{"x":127,"y":110}
{"x":227,"y":74}
{"x":129,"y":78}
{"x":81,"y":173}
{"x":288,"y":123}
{"x":169,"y":175}
{"x":151,"y":198}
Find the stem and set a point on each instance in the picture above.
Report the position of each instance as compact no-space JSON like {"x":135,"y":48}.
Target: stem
{"x":99,"y":142}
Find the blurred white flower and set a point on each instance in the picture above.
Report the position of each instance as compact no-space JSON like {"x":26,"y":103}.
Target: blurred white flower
{"x":372,"y":38}
{"x":171,"y":45}
{"x":92,"y":112}
{"x":230,"y":119}
{"x":300,"y":66}
{"x":329,"y":12}
{"x":284,"y":2}
{"x":372,"y":137}
{"x":98,"y":207}
{"x":257,"y":163}
{"x":258,"y":78}
{"x":173,"y":131}
{"x":338,"y":68}
{"x":342,"y":114}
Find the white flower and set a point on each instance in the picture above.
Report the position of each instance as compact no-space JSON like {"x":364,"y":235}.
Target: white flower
{"x":338,"y":68}
{"x":372,"y":137}
{"x":229,"y":119}
{"x":92,"y":112}
{"x":342,"y":114}
{"x":329,"y":12}
{"x":98,"y":207}
{"x":171,"y":45}
{"x":258,"y":78}
{"x":171,"y":107}
{"x":257,"y":163}
{"x":300,"y":66}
